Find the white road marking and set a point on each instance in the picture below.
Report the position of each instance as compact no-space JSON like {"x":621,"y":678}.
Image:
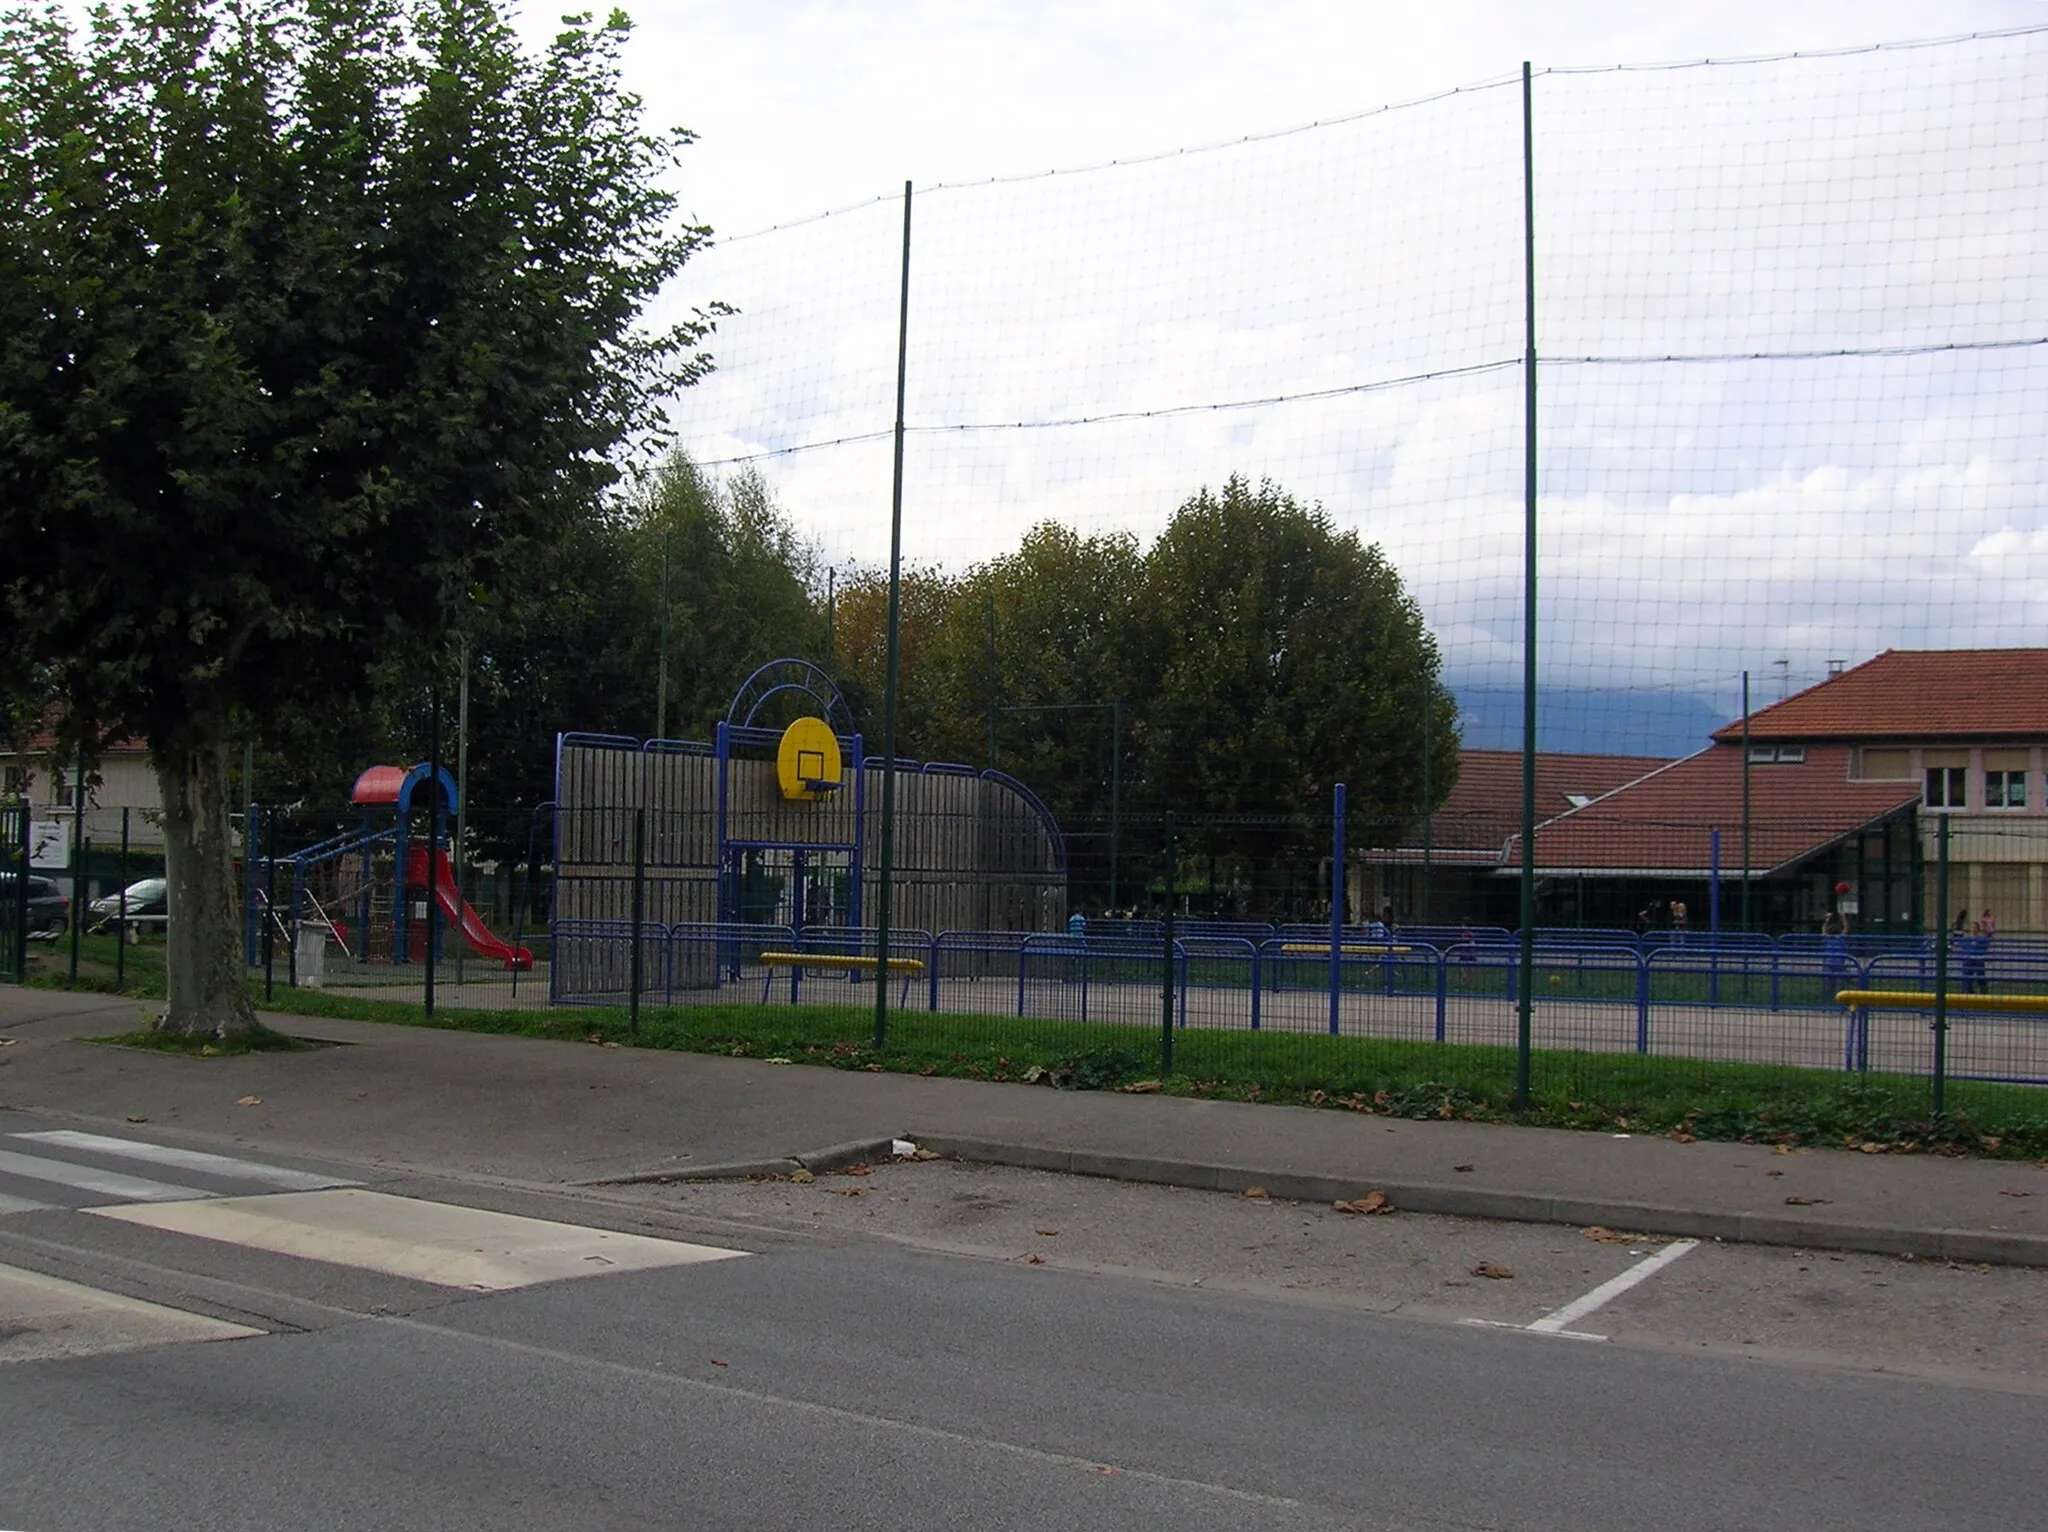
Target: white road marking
{"x":20,"y":1205}
{"x":42,"y":1318}
{"x":433,"y":1242}
{"x":107,"y":1183}
{"x":186,"y":1159}
{"x":1614,"y":1287}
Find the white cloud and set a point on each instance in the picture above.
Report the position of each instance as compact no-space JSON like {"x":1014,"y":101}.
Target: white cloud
{"x":1697,"y":519}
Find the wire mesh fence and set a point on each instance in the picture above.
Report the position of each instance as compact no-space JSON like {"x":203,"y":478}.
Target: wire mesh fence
{"x":1236,"y":959}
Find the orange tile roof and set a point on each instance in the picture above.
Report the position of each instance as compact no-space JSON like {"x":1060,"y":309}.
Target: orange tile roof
{"x":1485,"y":808}
{"x":1916,"y":694}
{"x":1664,"y":822}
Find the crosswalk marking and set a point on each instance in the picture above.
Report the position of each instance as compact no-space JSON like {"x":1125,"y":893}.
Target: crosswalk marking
{"x":44,"y":1318}
{"x":20,"y":1205}
{"x":85,"y":1178}
{"x":184,"y":1159}
{"x":437,"y":1242}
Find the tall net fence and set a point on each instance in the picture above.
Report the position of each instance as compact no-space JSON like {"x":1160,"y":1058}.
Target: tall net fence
{"x":1752,"y":350}
{"x":1790,"y":318}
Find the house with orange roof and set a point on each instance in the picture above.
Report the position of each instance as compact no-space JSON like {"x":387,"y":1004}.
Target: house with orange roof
{"x":1843,"y":786}
{"x":1444,"y":870}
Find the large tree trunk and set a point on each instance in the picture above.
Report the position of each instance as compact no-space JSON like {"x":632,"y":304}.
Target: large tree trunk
{"x":209,"y":995}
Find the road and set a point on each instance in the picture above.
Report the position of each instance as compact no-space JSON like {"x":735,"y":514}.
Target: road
{"x":289,"y":1345}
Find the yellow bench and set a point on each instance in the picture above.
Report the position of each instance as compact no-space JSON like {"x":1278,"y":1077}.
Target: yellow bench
{"x":839,"y":960}
{"x":797,"y":962}
{"x":1323,"y":949}
{"x":1958,"y":1000}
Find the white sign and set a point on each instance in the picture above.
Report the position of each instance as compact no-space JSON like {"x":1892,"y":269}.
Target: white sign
{"x":49,"y":843}
{"x":1846,"y":905}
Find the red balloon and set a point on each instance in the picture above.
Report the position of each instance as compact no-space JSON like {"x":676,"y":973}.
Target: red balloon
{"x":1841,"y":888}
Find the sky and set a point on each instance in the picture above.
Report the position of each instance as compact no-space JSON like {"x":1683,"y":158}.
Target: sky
{"x":1698,"y":519}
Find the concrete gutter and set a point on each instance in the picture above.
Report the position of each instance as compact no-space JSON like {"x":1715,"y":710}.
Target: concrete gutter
{"x":1806,"y":1232}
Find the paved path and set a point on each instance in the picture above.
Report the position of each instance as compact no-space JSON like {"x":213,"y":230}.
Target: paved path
{"x":552,"y":1113}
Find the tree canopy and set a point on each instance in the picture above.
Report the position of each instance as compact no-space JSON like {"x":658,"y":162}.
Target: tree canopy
{"x":1258,"y":656}
{"x":315,"y":315}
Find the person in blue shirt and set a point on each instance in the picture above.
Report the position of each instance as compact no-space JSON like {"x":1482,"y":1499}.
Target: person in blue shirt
{"x":1834,"y":952}
{"x":1975,"y":950}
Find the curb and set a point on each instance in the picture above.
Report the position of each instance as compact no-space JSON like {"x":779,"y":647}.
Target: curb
{"x":859,"y":1151}
{"x":1973,"y":1245}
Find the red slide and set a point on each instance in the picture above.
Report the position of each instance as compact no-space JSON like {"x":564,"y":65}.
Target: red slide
{"x":481,"y":938}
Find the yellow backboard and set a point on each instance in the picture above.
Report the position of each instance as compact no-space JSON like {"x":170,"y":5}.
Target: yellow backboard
{"x":807,"y":763}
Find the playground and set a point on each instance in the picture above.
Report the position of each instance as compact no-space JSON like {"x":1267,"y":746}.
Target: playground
{"x":746,"y":869}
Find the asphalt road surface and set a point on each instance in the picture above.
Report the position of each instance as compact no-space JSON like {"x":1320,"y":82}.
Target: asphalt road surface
{"x":224,"y":1344}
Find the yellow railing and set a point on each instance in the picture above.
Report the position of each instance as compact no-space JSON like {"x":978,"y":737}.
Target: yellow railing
{"x":839,"y":960}
{"x":1958,"y":1000}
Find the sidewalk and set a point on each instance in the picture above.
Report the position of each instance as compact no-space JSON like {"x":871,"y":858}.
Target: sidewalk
{"x":517,"y":1109}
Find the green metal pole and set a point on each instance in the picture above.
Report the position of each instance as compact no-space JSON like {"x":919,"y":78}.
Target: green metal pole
{"x":1524,"y":1029}
{"x":78,"y":900}
{"x":639,"y":919}
{"x":1745,"y":800}
{"x":993,"y":696}
{"x":1166,"y":986}
{"x":1116,"y":798}
{"x":1941,"y":941}
{"x":121,"y":920}
{"x":433,"y":843}
{"x":1428,"y":795}
{"x":661,"y":657}
{"x":459,"y":861}
{"x":893,"y":670}
{"x":27,"y":849}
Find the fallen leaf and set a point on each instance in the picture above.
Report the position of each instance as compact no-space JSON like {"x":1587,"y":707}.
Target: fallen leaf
{"x":145,"y":1119}
{"x":778,"y":1061}
{"x":1806,"y":1202}
{"x":1456,"y":1282}
{"x":926,"y":1154}
{"x":715,"y":1362}
{"x":2003,"y":1191}
{"x":1142,"y":1088}
{"x":856,"y":1170}
{"x":1048,"y":1231}
{"x":1781,"y":1149}
{"x":1489,"y":1269}
{"x":1102,"y":1468}
{"x":1464,"y":1169}
{"x":1034,"y":1260}
{"x":800,"y":1176}
{"x":1774,"y":1172}
{"x":1871,"y":1148}
{"x":8,"y":1042}
{"x":608,"y":1043}
{"x":250,"y":1101}
{"x":1680,"y":1136}
{"x":1256,"y":1192}
{"x":853,"y":1191}
{"x":1604,"y":1236}
{"x":1372,"y":1202}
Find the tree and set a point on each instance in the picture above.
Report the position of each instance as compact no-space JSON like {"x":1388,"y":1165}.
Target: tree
{"x":313,"y":315}
{"x":1286,"y":656}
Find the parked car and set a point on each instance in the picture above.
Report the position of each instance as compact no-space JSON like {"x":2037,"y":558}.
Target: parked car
{"x":149,"y":897}
{"x":49,"y":907}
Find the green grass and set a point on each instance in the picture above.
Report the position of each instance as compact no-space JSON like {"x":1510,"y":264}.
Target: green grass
{"x":1621,"y":1092}
{"x":103,"y":967}
{"x":262,"y":1040}
{"x":1605,"y":1091}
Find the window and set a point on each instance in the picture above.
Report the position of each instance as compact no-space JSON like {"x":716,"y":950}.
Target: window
{"x":1776,"y":755}
{"x":1947,"y":787}
{"x":1884,"y":765}
{"x":2005,"y":789}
